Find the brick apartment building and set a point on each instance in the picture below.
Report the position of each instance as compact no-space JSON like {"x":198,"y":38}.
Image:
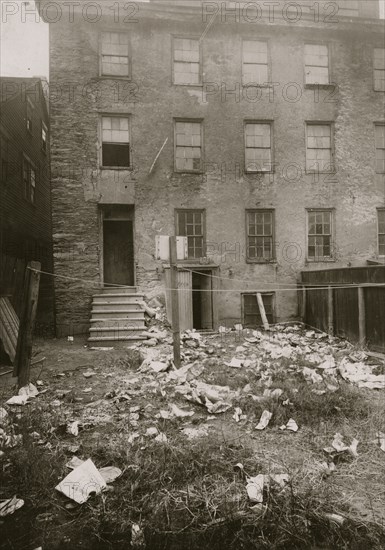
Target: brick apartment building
{"x":25,"y":205}
{"x":268,"y":131}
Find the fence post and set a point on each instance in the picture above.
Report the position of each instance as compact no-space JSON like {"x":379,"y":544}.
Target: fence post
{"x":361,"y":316}
{"x":175,"y":302}
{"x":303,"y":304}
{"x":330,"y":311}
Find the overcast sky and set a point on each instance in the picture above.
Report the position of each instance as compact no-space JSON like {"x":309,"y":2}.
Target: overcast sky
{"x":24,"y":41}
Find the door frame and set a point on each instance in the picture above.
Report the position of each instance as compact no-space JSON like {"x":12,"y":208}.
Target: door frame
{"x":101,"y":218}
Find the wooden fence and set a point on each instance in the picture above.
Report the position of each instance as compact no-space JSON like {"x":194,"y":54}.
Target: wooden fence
{"x":357,"y":313}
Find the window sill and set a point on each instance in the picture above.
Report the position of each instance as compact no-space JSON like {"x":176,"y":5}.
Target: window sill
{"x":118,"y":168}
{"x":255,"y":85}
{"x":114,"y":77}
{"x":261,"y":262}
{"x":320,"y":86}
{"x":188,"y":85}
{"x":320,"y":261}
{"x":189,"y":173}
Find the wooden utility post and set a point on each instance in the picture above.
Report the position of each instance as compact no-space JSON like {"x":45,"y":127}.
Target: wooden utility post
{"x":303,"y":304}
{"x":361,"y":316}
{"x":330,"y":311}
{"x":175,"y":302}
{"x":27,"y":323}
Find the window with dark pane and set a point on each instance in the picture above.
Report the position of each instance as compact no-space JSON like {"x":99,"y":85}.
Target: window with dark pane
{"x":188,"y":146}
{"x":251,"y":315}
{"x":319,"y":235}
{"x":260,"y":235}
{"x":29,"y":181}
{"x":190,"y":224}
{"x":381,"y":232}
{"x":115,"y":54}
{"x":115,"y":142}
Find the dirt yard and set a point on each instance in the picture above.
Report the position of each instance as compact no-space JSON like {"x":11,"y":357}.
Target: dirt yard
{"x":198,"y":467}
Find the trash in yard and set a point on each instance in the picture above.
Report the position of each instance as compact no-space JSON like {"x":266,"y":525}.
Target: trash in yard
{"x":381,"y":440}
{"x":87,"y":390}
{"x":254,"y":488}
{"x":137,"y":536}
{"x":291,"y":426}
{"x":238,"y":416}
{"x":264,"y":420}
{"x":240,"y":349}
{"x":10,"y":505}
{"x":74,"y":462}
{"x":235,"y":363}
{"x":82,"y":482}
{"x":328,"y":469}
{"x":328,"y":363}
{"x":335,"y":518}
{"x":25,"y":393}
{"x":151,"y":432}
{"x":281,"y":479}
{"x":70,"y":339}
{"x":73,"y":428}
{"x":272,"y":393}
{"x":161,"y":438}
{"x":338,"y":446}
{"x":194,"y":433}
{"x":101,"y":349}
{"x":311,"y":375}
{"x":361,"y":374}
{"x":88,"y":374}
{"x":180,"y":413}
{"x":238,"y":327}
{"x":159,"y":366}
{"x":277,"y":351}
{"x":110,"y":473}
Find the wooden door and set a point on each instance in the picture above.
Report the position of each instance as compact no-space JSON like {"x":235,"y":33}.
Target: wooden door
{"x":118,"y":252}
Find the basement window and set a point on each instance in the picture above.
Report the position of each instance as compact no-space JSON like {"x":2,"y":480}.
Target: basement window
{"x":114,"y":55}
{"x":29,"y":180}
{"x":187,"y":56}
{"x":381,"y":231}
{"x":319,"y":148}
{"x":320,"y":234}
{"x":316,"y":64}
{"x":115,"y":142}
{"x":188,"y":146}
{"x":380,"y":148}
{"x":254,"y":63}
{"x":258,"y":149}
{"x":251,"y":315}
{"x":191,"y":224}
{"x":379,"y":69}
{"x":260,"y":235}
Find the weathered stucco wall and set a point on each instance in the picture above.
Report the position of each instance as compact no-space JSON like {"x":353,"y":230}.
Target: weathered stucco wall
{"x":79,"y":96}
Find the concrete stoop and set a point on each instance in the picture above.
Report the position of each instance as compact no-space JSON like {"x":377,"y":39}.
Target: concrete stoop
{"x":117,"y":316}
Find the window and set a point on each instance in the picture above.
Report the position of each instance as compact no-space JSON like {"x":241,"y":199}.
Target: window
{"x":188,"y":146}
{"x":187,"y":61}
{"x":115,"y":142}
{"x":254,"y":63}
{"x":258,"y":147}
{"x":319,"y":235}
{"x":319,"y":157}
{"x":260,"y":235}
{"x":29,"y":180}
{"x":381,"y":231}
{"x":114,"y":54}
{"x":191,"y":224}
{"x":316,"y":64}
{"x":251,"y":315}
{"x":379,"y":69}
{"x":44,"y":136}
{"x":29,"y":117}
{"x":380,"y":148}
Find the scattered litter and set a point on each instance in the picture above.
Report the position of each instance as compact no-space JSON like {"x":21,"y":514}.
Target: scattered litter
{"x":3,"y":416}
{"x":291,"y":426}
{"x":137,"y":536}
{"x":272,"y":393}
{"x":25,"y":393}
{"x":74,"y":462}
{"x":110,"y":473}
{"x":88,"y":374}
{"x":158,"y":366}
{"x":335,"y":518}
{"x":328,"y":363}
{"x":235,"y":363}
{"x":10,"y":505}
{"x":338,"y":446}
{"x":381,"y":440}
{"x":151,"y":432}
{"x":194,"y":433}
{"x":82,"y":482}
{"x":238,"y":416}
{"x":73,"y":428}
{"x":180,"y":413}
{"x":311,"y":375}
{"x":361,"y":374}
{"x":70,"y":338}
{"x":264,"y":420}
{"x":161,"y":438}
{"x":101,"y":349}
{"x":254,"y":488}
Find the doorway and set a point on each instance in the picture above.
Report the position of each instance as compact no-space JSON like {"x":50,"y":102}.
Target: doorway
{"x":202,"y":302}
{"x":118,"y":248}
